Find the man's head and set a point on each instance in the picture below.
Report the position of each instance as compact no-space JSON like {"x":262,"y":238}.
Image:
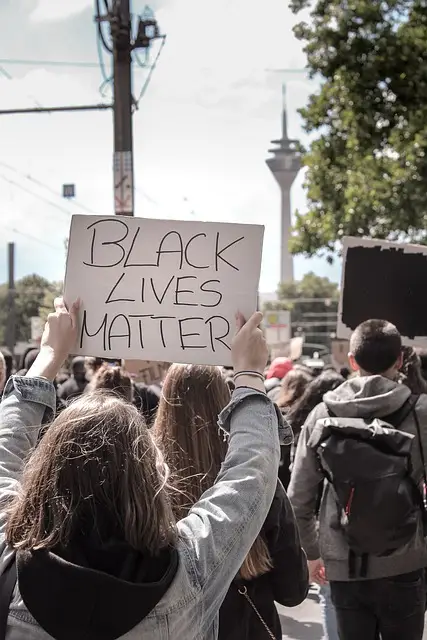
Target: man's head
{"x":30,"y":358}
{"x":78,"y":369}
{"x":376,"y":349}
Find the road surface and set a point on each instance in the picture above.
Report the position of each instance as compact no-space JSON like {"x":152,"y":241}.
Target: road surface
{"x":303,"y":622}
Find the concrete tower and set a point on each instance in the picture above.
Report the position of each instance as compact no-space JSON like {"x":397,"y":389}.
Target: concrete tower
{"x":284,"y":165}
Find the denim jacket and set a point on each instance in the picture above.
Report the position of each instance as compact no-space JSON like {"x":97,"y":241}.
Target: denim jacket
{"x":213,"y":539}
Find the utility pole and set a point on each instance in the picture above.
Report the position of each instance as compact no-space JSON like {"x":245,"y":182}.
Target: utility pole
{"x":123,"y":44}
{"x":123,"y":134}
{"x":117,"y":14}
{"x":11,"y":315}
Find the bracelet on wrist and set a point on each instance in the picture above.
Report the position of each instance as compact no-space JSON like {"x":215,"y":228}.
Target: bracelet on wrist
{"x":249,"y":374}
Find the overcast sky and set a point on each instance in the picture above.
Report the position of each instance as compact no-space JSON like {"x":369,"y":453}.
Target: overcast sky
{"x":202,"y":130}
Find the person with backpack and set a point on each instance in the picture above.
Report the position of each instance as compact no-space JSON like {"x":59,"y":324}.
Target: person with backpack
{"x":367,"y":439}
{"x":89,"y":545}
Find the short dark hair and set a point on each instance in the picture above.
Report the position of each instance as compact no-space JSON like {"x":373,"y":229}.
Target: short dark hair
{"x":376,"y":346}
{"x":30,"y":358}
{"x":78,"y":364}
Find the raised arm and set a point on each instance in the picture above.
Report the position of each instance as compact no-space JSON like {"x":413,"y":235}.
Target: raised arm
{"x":222,"y":526}
{"x":29,"y":401}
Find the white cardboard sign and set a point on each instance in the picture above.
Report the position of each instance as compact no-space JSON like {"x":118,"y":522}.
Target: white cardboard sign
{"x":384,"y":280}
{"x":162,"y":290}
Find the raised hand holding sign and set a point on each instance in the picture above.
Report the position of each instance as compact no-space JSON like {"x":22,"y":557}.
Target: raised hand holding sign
{"x":161,"y":290}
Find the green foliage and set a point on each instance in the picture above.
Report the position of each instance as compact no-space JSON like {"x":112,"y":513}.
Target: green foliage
{"x":29,"y":297}
{"x":313,"y":301}
{"x":366,"y":170}
{"x":55,"y":290}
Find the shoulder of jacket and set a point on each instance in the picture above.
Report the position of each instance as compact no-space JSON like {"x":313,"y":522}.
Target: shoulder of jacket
{"x":421,"y":408}
{"x":319,"y":413}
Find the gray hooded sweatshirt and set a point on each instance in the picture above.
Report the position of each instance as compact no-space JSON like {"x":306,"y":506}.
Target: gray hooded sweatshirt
{"x":361,"y":397}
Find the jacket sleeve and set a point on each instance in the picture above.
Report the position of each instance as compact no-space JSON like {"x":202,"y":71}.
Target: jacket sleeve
{"x":289,"y":576}
{"x":222,"y":526}
{"x":306,"y":479}
{"x":26,"y":403}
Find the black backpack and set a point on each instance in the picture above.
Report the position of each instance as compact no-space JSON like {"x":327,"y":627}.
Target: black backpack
{"x":368,"y":464}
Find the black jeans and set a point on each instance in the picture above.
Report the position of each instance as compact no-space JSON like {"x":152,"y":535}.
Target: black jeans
{"x":390,"y":608}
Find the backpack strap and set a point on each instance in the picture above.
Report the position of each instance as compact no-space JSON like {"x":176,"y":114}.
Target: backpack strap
{"x":420,"y":445}
{"x":398,"y":417}
{"x":7,"y":585}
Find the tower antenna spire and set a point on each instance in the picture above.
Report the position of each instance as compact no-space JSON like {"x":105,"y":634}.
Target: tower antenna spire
{"x":284,"y":114}
{"x":285,"y":163}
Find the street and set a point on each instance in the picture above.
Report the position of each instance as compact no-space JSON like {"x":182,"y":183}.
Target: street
{"x":303,"y":622}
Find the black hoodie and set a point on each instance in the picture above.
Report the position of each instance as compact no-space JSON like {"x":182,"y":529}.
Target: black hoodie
{"x":94,"y":591}
{"x":286,"y":583}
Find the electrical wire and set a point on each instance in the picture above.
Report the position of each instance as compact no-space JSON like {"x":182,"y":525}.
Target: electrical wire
{"x":5,"y":73}
{"x":99,"y":24}
{"x":100,"y":42}
{"x":39,"y":183}
{"x":49,"y":63}
{"x":8,"y":76}
{"x":29,"y":236}
{"x":147,"y":197}
{"x":140,"y":63}
{"x":36,"y":195}
{"x":106,"y":79}
{"x":150,"y":73}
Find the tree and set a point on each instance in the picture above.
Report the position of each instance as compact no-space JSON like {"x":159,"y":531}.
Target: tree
{"x":46,"y":307}
{"x":313,"y":303}
{"x":29,"y":296}
{"x":367,"y":169}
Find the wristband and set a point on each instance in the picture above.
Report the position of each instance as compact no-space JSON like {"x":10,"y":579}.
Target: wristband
{"x":250,"y":374}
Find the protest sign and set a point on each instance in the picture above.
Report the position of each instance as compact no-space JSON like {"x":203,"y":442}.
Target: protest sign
{"x":384,"y":280}
{"x":145,"y":371}
{"x":277,"y":327}
{"x":339,"y":352}
{"x":161,"y":290}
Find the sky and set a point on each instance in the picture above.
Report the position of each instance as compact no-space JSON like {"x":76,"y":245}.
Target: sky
{"x":201,"y":133}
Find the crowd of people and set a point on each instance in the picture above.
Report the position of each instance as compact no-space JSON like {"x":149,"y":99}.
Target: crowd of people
{"x":190,"y":506}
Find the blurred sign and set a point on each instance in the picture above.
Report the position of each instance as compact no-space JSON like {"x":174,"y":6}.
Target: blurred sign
{"x":296,"y":346}
{"x":123,"y":183}
{"x":384,"y":280}
{"x":292,"y":349}
{"x":68,"y":190}
{"x":145,"y":370}
{"x":277,"y":319}
{"x":339,"y":351}
{"x":277,"y":327}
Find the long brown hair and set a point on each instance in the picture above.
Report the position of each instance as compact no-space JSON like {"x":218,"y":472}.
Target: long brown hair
{"x":186,"y":430}
{"x":292,"y":387}
{"x":96,"y":471}
{"x":115,"y":379}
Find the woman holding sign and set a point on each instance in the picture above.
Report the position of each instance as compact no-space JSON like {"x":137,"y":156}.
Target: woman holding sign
{"x":90,"y":548}
{"x":275,"y":569}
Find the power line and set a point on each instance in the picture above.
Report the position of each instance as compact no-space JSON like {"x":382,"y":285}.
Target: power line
{"x":36,"y":195}
{"x":50,"y":63}
{"x":5,"y":73}
{"x":29,"y":236}
{"x":99,"y":20}
{"x":90,"y":107}
{"x":95,"y":65}
{"x":150,"y":73}
{"x":8,"y":76}
{"x":39,"y":183}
